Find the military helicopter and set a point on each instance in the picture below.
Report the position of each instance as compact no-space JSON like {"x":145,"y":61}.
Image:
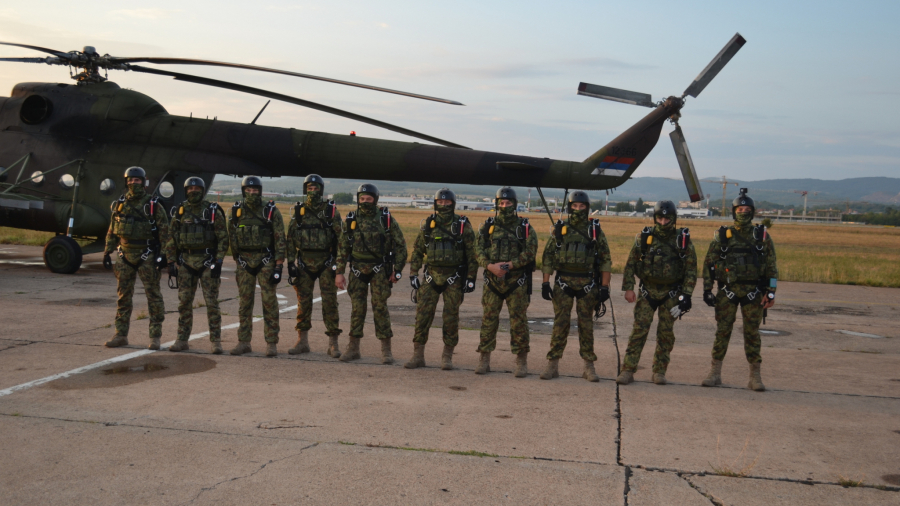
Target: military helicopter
{"x":63,"y":147}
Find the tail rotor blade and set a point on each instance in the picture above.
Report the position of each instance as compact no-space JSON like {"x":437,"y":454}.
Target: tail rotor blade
{"x":715,"y":66}
{"x":615,"y":94}
{"x":691,"y":181}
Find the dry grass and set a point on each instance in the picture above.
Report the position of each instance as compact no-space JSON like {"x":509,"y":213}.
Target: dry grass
{"x":851,"y":482}
{"x":27,"y":237}
{"x":734,"y":469}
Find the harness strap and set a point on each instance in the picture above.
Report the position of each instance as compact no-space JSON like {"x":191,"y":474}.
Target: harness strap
{"x":573,"y":293}
{"x":522,"y":281}
{"x":655,"y":303}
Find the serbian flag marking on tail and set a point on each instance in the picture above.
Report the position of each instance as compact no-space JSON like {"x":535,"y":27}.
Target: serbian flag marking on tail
{"x":615,"y":166}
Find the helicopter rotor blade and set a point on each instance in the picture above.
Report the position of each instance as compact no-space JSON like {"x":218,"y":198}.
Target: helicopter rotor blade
{"x":38,"y":48}
{"x":292,"y":100}
{"x":691,"y":181}
{"x":190,"y":61}
{"x":715,"y":66}
{"x":615,"y":94}
{"x":25,"y":60}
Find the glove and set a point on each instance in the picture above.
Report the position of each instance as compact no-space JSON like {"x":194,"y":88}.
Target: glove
{"x":604,"y":294}
{"x":683,"y":306}
{"x":173,"y":270}
{"x":107,"y":262}
{"x":215,"y":270}
{"x":414,"y":282}
{"x":546,"y":291}
{"x":276,"y":275}
{"x":469,"y":287}
{"x":293,"y":270}
{"x":709,"y":298}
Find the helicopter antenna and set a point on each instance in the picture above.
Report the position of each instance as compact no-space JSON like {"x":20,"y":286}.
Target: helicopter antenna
{"x":260,"y":112}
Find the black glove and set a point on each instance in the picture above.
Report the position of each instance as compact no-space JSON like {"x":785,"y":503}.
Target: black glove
{"x":546,"y":290}
{"x":276,"y":274}
{"x":414,"y":282}
{"x":603,"y":296}
{"x":709,"y":298}
{"x":683,"y":306}
{"x":215,"y":270}
{"x":173,"y":270}
{"x":469,"y":287}
{"x":107,"y":262}
{"x":293,"y":270}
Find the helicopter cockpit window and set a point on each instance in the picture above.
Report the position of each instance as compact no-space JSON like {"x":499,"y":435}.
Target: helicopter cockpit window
{"x":37,"y":178}
{"x":166,"y":189}
{"x":66,"y":182}
{"x":35,"y":109}
{"x":107,"y":186}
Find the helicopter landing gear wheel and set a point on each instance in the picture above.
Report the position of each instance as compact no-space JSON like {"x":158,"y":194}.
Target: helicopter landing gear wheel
{"x":62,"y":255}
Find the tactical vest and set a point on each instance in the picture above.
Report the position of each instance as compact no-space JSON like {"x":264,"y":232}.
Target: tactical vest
{"x":444,"y":247}
{"x":253,"y":231}
{"x":662,"y":260}
{"x":741,"y":260}
{"x":196,"y":231}
{"x":370,"y":239}
{"x":316,"y":232}
{"x":576,"y":250}
{"x":502,"y":243}
{"x":134,"y":222}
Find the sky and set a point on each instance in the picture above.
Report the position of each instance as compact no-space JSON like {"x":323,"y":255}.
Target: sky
{"x":813,"y":94}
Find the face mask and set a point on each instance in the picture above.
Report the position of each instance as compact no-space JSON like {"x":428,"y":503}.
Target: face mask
{"x":135,"y":190}
{"x":506,"y":213}
{"x":743,"y":219}
{"x":668,"y":227}
{"x":253,"y":200}
{"x":367,"y":208}
{"x":314,"y":196}
{"x":445,"y":210}
{"x":578,"y":216}
{"x":194,"y":197}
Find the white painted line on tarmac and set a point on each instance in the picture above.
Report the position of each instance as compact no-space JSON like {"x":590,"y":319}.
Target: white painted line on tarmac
{"x":128,"y":356}
{"x":859,"y":334}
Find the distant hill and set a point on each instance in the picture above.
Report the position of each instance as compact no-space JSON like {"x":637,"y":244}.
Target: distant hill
{"x":881,"y":190}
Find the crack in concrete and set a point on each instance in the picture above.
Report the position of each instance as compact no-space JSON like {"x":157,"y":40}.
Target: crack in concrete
{"x":627,"y":483}
{"x":207,"y":489}
{"x":711,"y":499}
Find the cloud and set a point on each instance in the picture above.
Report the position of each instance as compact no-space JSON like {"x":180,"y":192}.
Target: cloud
{"x":383,"y":26}
{"x":146,"y":14}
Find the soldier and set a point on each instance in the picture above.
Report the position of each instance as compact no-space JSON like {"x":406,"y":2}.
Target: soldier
{"x":506,"y":248}
{"x":448,"y":243}
{"x":138,"y":228}
{"x":374,"y":247}
{"x":741,"y":259}
{"x":664,"y":261}
{"x":312,"y":240}
{"x":197,"y":242}
{"x":257,"y":245}
{"x":579,"y":254}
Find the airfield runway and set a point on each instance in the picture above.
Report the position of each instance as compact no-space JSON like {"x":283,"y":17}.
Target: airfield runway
{"x":84,"y":424}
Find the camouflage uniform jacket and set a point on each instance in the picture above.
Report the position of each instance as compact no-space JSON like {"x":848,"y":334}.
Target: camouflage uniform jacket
{"x":138,"y":209}
{"x":554,"y":254}
{"x":446,"y":227}
{"x":206,"y":216}
{"x":256,"y":216}
{"x":317,"y":241}
{"x":366,"y":246}
{"x":662,"y":259}
{"x":742,"y":238}
{"x":527,"y":251}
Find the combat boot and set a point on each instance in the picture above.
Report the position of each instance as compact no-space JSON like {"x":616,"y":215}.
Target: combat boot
{"x":521,"y":365}
{"x":179,"y":345}
{"x":216,"y":347}
{"x":625,"y":377}
{"x":352,"y":351}
{"x":154,"y":343}
{"x":755,"y":379}
{"x":659,"y":378}
{"x":418,"y":358}
{"x":386,"y":357}
{"x":589,"y":373}
{"x":552,"y":370}
{"x":447,"y":358}
{"x":484,"y":366}
{"x":241,"y":348}
{"x":333,"y":350}
{"x":271,"y":350}
{"x":302,"y":345}
{"x":715,"y":375}
{"x":117,"y":341}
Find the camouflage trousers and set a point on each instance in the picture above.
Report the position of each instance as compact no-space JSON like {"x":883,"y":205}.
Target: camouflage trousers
{"x":427,"y":306}
{"x":247,"y":296}
{"x":562,"y":310}
{"x":517,"y":305}
{"x":187,"y":289}
{"x":126,"y":277}
{"x":304,"y":288}
{"x":726,"y":314}
{"x":665,"y":337}
{"x":359,"y":292}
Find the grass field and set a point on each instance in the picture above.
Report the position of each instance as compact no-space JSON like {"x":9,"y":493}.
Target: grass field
{"x":844,"y":254}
